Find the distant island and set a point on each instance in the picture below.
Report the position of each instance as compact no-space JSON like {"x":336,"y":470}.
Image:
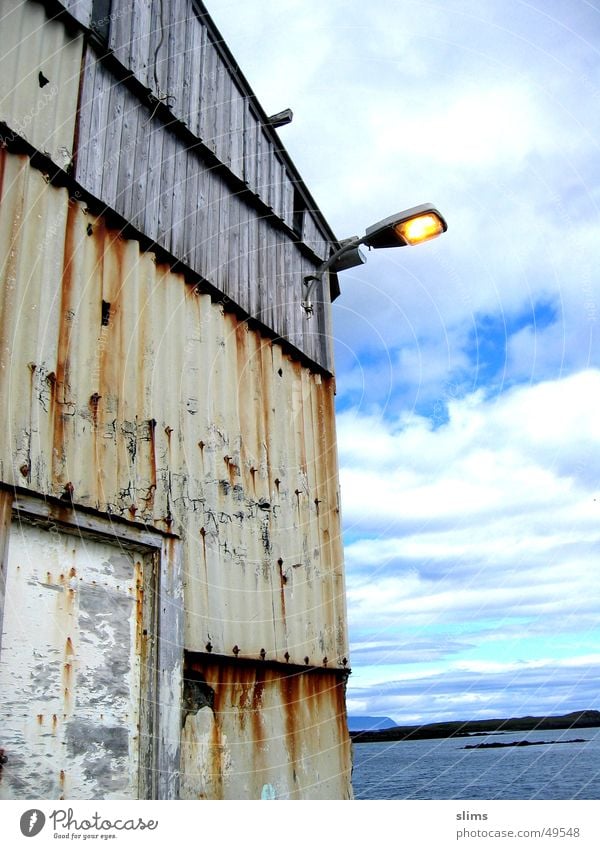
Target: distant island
{"x":370,"y":723}
{"x":518,"y":743}
{"x":478,"y":727}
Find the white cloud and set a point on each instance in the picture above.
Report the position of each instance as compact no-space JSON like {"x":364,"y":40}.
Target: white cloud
{"x":534,"y":353}
{"x":505,"y":433}
{"x":479,"y":536}
{"x":477,"y":127}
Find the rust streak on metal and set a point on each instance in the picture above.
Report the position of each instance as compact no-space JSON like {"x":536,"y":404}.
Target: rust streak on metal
{"x":94,"y":402}
{"x":61,"y":395}
{"x":290,"y":687}
{"x":203,"y":535}
{"x":218,"y":760}
{"x":282,"y":582}
{"x":140,"y":635}
{"x":274,"y":723}
{"x":152,"y":435}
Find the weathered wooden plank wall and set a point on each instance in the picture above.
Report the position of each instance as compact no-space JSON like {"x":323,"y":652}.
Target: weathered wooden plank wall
{"x":175,"y":52}
{"x":80,"y":9}
{"x":128,"y":158}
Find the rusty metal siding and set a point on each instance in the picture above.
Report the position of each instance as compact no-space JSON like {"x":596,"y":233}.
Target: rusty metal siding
{"x":142,"y":397}
{"x":39,"y":68}
{"x":259,"y":732}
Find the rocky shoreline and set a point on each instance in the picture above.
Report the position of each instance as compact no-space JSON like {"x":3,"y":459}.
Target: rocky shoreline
{"x":481,"y":727}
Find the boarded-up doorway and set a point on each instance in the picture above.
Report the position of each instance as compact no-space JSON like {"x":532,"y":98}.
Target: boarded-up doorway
{"x":76,"y":666}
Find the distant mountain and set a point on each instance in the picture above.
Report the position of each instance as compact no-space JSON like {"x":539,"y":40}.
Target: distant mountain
{"x":370,"y":723}
{"x":379,"y":733}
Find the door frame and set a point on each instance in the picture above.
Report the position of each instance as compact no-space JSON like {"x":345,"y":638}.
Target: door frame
{"x":162,"y":620}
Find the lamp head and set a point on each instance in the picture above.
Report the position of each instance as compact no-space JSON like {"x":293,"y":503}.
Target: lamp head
{"x":410,"y":227}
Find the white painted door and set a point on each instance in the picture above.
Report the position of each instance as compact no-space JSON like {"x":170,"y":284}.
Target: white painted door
{"x":70,"y":671}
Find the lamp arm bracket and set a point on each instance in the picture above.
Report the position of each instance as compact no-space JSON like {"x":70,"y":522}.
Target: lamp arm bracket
{"x":311,"y":280}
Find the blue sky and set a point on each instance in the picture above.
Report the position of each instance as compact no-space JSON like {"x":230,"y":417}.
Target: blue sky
{"x":468,"y":369}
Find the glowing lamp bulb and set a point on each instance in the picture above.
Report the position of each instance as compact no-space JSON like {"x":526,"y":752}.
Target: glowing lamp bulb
{"x":420,"y":229}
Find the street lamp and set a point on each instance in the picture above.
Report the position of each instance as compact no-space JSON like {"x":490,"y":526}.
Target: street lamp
{"x":409,"y":227}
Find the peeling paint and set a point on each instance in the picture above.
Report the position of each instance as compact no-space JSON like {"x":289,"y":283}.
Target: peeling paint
{"x":93,"y":424}
{"x":266,"y":727}
{"x":101,"y":413}
{"x":70,"y":672}
{"x":43,"y":114}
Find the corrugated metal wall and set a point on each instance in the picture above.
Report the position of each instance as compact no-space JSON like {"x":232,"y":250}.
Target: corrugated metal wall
{"x":131,"y":393}
{"x":124,"y":383}
{"x":40,"y":66}
{"x":268,"y":734}
{"x":127,"y":390}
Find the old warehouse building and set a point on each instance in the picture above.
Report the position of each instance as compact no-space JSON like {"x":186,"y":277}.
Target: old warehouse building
{"x":172,"y":595}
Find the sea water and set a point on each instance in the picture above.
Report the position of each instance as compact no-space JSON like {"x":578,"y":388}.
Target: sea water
{"x":444,"y":769}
